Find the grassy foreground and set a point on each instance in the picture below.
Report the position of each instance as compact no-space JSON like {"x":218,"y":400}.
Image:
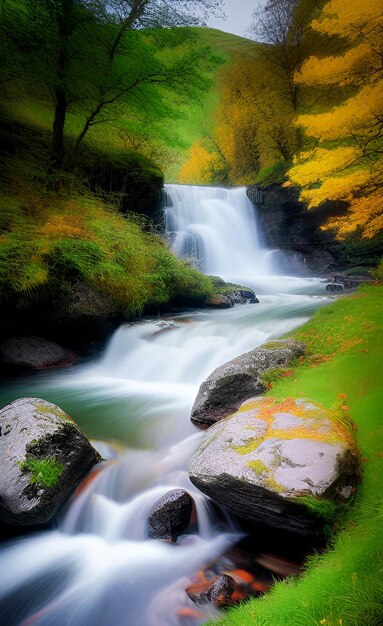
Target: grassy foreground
{"x":344,"y":586}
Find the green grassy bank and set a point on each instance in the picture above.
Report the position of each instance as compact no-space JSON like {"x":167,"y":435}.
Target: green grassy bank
{"x":48,"y":241}
{"x":344,"y":586}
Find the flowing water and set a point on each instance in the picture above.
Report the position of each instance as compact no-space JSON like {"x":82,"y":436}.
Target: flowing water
{"x":96,"y":567}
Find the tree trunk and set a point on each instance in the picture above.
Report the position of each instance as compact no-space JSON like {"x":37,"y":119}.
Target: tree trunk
{"x":57,"y":146}
{"x":65,"y":26}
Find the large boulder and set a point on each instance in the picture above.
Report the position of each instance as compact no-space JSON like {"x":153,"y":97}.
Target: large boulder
{"x":272,"y":458}
{"x":29,"y":352}
{"x":230,"y":384}
{"x":43,"y":457}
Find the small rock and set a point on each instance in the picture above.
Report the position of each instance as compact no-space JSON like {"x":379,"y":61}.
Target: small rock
{"x":254,"y":300}
{"x":240,"y":294}
{"x":217,"y":591}
{"x":171,"y":515}
{"x":43,"y":457}
{"x":226,"y":295}
{"x":334,"y":287}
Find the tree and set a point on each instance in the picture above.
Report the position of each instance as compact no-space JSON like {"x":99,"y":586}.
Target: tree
{"x":285,"y":26}
{"x":346,"y":164}
{"x":203,"y":166}
{"x":252,"y":127}
{"x":96,"y":55}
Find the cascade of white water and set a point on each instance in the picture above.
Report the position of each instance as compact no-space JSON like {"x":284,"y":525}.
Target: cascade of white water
{"x":99,"y":568}
{"x":217,"y":228}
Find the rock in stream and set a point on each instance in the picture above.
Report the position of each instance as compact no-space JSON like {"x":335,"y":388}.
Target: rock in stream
{"x":264,"y":459}
{"x":230,"y":384}
{"x":43,"y":457}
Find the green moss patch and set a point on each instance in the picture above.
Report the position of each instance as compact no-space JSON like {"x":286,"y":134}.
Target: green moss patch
{"x":44,"y":472}
{"x":248,"y":447}
{"x":321,"y":507}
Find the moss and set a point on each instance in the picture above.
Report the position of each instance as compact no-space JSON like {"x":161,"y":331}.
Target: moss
{"x":321,"y":507}
{"x":271,"y":376}
{"x":54,"y":410}
{"x":248,"y":447}
{"x":302,"y":432}
{"x":272,"y":484}
{"x":44,"y":472}
{"x":258,"y":467}
{"x":273,"y":345}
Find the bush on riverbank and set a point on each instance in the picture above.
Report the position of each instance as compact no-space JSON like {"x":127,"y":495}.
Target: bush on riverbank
{"x":344,"y":585}
{"x":52,"y":240}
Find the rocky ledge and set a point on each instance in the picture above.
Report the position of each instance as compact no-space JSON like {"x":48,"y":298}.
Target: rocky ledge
{"x":30,"y":352}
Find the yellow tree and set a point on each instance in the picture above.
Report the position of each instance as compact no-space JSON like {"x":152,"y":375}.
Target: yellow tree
{"x":252,"y":127}
{"x":202,"y":167}
{"x":253,"y":124}
{"x":346,"y":162}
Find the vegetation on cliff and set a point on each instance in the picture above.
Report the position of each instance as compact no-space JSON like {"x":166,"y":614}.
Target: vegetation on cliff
{"x":345,"y":160}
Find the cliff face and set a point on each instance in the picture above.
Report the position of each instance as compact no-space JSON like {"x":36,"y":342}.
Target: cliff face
{"x":289,"y":226}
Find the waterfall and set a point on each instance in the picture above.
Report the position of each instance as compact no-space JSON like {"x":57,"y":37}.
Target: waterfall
{"x":216,"y":228}
{"x":98,"y":567}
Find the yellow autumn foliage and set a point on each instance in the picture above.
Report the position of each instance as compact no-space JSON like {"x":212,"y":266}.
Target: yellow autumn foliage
{"x":316,"y":165}
{"x":348,"y":17}
{"x":253,"y":126}
{"x":350,"y":167}
{"x":337,"y":188}
{"x":365,"y":213}
{"x":200,"y":166}
{"x":359,"y":115}
{"x":340,"y":69}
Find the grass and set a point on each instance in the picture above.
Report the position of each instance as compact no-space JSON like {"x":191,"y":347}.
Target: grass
{"x":343,"y":586}
{"x":51,"y":240}
{"x":44,"y":472}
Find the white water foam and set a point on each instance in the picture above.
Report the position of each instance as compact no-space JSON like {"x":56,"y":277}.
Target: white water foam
{"x":99,"y":568}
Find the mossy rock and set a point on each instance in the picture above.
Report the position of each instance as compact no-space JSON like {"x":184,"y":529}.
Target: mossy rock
{"x":43,"y":456}
{"x":273,"y":461}
{"x":226,"y":295}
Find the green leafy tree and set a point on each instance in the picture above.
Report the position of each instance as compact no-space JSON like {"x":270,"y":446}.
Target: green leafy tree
{"x":96,"y":57}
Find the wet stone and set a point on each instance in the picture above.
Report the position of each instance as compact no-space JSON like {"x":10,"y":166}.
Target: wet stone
{"x":43,"y":457}
{"x":171,"y":515}
{"x":218,"y":591}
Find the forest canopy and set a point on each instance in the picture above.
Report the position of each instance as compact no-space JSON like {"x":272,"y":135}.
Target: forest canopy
{"x":346,"y":162}
{"x":304,"y":105}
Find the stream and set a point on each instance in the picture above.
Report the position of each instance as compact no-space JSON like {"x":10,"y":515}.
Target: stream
{"x":96,"y":566}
